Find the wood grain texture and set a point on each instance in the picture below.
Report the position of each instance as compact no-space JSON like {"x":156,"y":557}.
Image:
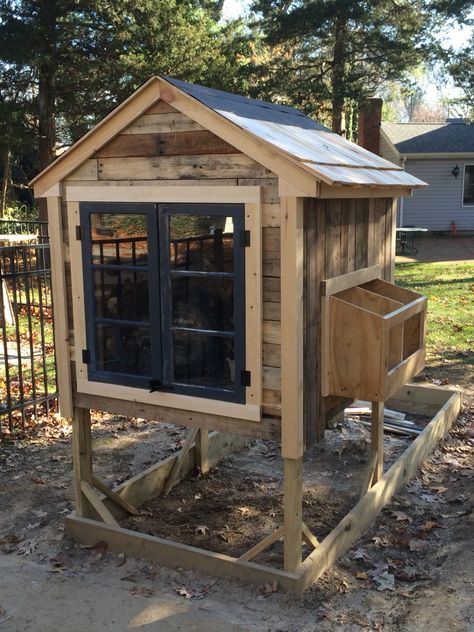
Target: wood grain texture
{"x":171,"y":144}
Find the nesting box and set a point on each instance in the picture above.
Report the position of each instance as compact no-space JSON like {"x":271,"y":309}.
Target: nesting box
{"x":224,"y":263}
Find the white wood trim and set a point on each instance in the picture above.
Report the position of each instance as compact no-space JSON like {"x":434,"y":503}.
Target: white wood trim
{"x":61,"y":326}
{"x":196,"y":194}
{"x":254,"y":302}
{"x":250,"y":411}
{"x":292,"y":327}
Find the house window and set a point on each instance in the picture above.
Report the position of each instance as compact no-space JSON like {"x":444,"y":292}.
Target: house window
{"x":468,"y":197}
{"x":165,"y":304}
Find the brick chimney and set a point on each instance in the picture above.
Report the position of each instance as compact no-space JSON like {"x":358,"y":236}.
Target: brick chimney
{"x":370,"y":118}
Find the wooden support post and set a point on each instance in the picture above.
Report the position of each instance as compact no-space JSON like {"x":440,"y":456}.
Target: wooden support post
{"x":377,"y":439}
{"x":82,"y":457}
{"x":292,"y":326}
{"x":202,"y":450}
{"x":292,"y":506}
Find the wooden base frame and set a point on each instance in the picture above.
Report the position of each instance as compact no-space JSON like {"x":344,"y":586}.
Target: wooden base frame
{"x":445,"y":405}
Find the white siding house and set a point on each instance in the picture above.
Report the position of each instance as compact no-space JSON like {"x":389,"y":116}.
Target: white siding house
{"x":442,"y":155}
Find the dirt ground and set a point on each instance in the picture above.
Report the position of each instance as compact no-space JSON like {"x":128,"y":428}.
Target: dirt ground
{"x":414,"y":570}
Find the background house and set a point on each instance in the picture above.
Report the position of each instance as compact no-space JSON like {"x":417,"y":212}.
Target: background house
{"x":440,"y":154}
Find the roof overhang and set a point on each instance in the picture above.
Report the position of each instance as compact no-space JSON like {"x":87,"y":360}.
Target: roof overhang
{"x":303,"y":176}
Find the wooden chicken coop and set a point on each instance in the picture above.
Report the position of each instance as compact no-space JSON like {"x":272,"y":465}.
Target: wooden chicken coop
{"x":226,"y":264}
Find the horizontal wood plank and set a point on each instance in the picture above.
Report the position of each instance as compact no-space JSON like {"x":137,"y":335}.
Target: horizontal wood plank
{"x":162,"y":123}
{"x":171,"y":144}
{"x":179,"y":167}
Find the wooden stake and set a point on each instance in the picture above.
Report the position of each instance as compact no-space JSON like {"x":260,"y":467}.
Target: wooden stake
{"x":377,"y":438}
{"x":292,"y":506}
{"x":369,"y":473}
{"x":309,"y":537}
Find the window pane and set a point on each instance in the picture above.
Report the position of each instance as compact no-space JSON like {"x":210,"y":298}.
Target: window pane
{"x":203,"y":303}
{"x":119,"y":238}
{"x":123,"y":349}
{"x":203,"y":360}
{"x":201,"y":242}
{"x":121,"y":294}
{"x":469,"y":184}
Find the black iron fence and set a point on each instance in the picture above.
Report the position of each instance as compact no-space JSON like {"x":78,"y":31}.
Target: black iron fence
{"x":27,"y":362}
{"x":34,"y":229}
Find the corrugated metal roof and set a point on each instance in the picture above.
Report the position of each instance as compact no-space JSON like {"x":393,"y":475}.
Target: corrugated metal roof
{"x":417,"y":138}
{"x":327,"y":155}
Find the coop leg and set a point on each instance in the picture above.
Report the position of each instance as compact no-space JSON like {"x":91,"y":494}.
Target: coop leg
{"x":202,"y":450}
{"x":377,"y":438}
{"x":82,"y":457}
{"x":293,"y":519}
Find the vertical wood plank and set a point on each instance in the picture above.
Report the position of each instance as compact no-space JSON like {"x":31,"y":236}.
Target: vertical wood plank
{"x":393,"y":244}
{"x":293,"y":518}
{"x":82,"y":460}
{"x":377,"y":438}
{"x":320,"y":252}
{"x":292,"y":254}
{"x":61,"y":327}
{"x":351,"y":237}
{"x":202,"y":450}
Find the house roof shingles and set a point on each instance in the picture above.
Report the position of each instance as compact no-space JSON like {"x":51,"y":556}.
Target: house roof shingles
{"x":427,"y":138}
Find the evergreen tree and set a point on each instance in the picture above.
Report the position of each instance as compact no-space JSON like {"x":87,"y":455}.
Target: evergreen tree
{"x":328,"y":55}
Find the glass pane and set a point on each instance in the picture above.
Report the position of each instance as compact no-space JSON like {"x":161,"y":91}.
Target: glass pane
{"x":201,"y":242}
{"x":119,"y":238}
{"x":123,"y":349}
{"x":202,"y":360}
{"x":121,"y":294}
{"x":203,"y":303}
{"x":469,"y":184}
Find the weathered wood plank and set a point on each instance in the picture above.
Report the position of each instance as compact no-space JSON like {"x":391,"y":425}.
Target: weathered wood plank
{"x":171,"y":144}
{"x":162,"y":123}
{"x":179,"y":167}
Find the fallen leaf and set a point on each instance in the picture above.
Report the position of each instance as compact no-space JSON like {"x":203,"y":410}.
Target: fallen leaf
{"x":268,"y":587}
{"x":428,"y":525}
{"x":359,"y":619}
{"x":143,"y":591}
{"x":128,"y":578}
{"x":417,"y":545}
{"x":183,"y":592}
{"x":440,"y":489}
{"x":62,"y":561}
{"x":201,"y":529}
{"x":27,"y":547}
{"x":362,"y":575}
{"x":401,"y":516}
{"x":361,"y":554}
{"x":385,"y":581}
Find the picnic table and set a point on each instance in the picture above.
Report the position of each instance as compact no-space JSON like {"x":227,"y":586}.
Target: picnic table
{"x":406,"y":238}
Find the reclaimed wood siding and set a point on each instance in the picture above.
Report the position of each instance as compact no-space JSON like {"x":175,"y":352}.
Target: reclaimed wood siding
{"x":163,"y":147}
{"x":340,"y":236}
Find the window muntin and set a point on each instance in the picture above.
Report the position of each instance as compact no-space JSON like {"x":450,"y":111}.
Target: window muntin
{"x":165,"y":296}
{"x":468,"y":193}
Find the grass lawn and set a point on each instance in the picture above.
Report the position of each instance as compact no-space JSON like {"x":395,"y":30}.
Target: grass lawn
{"x":450,"y":329}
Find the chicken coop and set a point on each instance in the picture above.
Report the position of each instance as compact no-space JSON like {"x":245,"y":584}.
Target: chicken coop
{"x":226,"y":265}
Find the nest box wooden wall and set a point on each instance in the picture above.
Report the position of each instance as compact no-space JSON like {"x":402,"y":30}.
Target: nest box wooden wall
{"x":234,"y":341}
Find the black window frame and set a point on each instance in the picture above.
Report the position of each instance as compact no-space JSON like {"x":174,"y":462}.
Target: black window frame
{"x":468,"y":183}
{"x":159,"y":275}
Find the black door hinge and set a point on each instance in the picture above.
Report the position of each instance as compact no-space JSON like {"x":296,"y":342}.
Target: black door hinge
{"x":79,"y":233}
{"x":244,"y":238}
{"x":245,"y":378}
{"x":86,"y":356}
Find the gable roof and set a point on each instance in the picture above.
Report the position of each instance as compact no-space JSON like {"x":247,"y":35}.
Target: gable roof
{"x":412,"y":138}
{"x":279,"y":137}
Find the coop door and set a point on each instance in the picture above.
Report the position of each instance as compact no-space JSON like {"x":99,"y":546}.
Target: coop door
{"x":165,"y":297}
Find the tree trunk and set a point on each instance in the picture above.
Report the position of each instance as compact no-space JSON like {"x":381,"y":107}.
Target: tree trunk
{"x":5,"y":181}
{"x":338,"y":73}
{"x":47,"y":89}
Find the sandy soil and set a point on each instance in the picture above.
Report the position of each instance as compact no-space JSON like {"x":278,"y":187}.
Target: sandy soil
{"x":414,"y":570}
